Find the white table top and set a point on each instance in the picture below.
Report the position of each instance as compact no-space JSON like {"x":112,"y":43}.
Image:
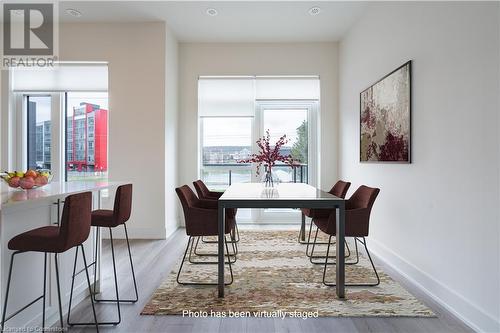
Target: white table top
{"x":283,"y":191}
{"x":11,"y":196}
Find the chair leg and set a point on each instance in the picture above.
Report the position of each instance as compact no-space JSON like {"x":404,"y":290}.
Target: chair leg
{"x":116,"y":279}
{"x":194,"y":247}
{"x":8,"y":289}
{"x":353,"y":284}
{"x":117,"y":300}
{"x":96,"y":323}
{"x":235,"y":232}
{"x":190,"y":247}
{"x":313,"y":246}
{"x":58,"y":291}
{"x":96,"y":258}
{"x":309,"y":239}
{"x":133,"y":275}
{"x":314,"y":243}
{"x":71,"y":289}
{"x":132,"y":267}
{"x":42,"y":297}
{"x":90,"y":290}
{"x":44,"y":287}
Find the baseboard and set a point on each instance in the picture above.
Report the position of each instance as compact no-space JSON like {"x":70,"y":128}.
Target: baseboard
{"x":452,"y":301}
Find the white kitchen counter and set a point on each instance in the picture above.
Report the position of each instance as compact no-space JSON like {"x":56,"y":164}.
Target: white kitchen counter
{"x":10,"y":197}
{"x":23,"y":210}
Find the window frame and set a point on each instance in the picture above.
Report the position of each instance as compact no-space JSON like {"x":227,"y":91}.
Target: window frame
{"x":21,"y":143}
{"x":59,"y":106}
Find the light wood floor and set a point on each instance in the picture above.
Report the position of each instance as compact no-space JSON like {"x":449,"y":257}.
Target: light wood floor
{"x":153,"y":261}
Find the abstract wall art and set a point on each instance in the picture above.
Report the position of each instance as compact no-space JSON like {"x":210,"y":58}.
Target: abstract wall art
{"x":385,"y":118}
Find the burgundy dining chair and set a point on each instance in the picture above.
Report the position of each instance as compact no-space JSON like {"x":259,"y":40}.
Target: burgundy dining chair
{"x":339,"y":190}
{"x":205,"y":194}
{"x":201,"y":219}
{"x":357,"y":222}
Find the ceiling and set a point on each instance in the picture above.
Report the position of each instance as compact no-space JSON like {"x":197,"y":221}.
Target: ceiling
{"x":236,"y":21}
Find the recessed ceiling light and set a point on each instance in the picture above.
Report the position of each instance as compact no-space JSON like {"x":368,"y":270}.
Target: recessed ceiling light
{"x":313,"y":11}
{"x":73,"y":12}
{"x":212,"y":12}
{"x":18,"y":12}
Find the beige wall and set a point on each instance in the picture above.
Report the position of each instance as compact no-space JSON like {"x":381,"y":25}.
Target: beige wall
{"x":257,"y":59}
{"x":436,"y":220}
{"x":136,"y":56}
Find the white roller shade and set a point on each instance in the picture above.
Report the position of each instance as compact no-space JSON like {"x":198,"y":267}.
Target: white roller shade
{"x":226,"y":97}
{"x":287,"y":88}
{"x":63,"y":77}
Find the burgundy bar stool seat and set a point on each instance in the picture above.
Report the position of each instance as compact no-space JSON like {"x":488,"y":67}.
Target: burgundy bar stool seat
{"x":103,"y":218}
{"x":107,"y":218}
{"x":74,"y":229}
{"x":44,"y":239}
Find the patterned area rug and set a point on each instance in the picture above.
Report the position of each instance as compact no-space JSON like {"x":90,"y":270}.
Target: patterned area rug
{"x":273,"y":275}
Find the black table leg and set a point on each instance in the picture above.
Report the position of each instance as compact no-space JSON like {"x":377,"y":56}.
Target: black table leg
{"x":221,"y":214}
{"x":303,"y":228}
{"x":340,"y":278}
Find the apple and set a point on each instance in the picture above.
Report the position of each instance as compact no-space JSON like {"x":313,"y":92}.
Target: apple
{"x":41,"y":180}
{"x":14,"y":181}
{"x":26,"y":183}
{"x":31,"y":173}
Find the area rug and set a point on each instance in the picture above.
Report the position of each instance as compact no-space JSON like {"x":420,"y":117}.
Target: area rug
{"x":273,"y":277}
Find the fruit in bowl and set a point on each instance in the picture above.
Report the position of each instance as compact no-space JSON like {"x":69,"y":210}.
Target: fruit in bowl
{"x":27,"y":180}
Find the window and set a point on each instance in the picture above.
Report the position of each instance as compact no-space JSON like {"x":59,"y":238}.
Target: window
{"x":39,"y":130}
{"x":61,"y":120}
{"x":225,"y":140}
{"x":86,"y":135}
{"x":235,"y":111}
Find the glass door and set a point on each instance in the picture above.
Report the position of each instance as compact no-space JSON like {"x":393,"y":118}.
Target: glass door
{"x":296,"y":120}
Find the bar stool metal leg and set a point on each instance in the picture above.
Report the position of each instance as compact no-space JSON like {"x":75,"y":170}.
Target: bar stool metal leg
{"x":96,"y":323}
{"x":44,"y":287}
{"x":4,"y":312}
{"x":43,"y":297}
{"x":133,"y":300}
{"x":58,"y":290}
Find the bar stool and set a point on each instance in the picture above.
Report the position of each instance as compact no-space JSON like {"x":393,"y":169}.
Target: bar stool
{"x":73,"y":231}
{"x":111,"y":219}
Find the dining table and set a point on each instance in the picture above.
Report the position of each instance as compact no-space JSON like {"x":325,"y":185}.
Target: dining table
{"x":283,"y":195}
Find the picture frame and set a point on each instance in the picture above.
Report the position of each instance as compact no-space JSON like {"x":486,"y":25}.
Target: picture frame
{"x":385,"y":118}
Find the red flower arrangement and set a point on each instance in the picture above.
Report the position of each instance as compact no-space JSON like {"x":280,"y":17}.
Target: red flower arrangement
{"x":269,"y":155}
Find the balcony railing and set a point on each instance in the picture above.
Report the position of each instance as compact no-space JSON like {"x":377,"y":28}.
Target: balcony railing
{"x":220,"y":176}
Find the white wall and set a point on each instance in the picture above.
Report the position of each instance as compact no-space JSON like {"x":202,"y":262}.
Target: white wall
{"x":437,"y":219}
{"x":256,"y":59}
{"x":136,"y":56}
{"x":171,"y":133}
